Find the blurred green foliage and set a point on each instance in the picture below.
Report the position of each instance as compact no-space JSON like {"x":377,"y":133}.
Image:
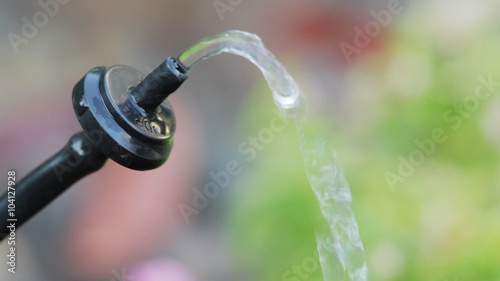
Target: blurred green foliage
{"x":442,"y":222}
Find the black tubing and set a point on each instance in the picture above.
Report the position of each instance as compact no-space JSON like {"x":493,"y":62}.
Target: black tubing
{"x":159,"y":84}
{"x":40,"y":187}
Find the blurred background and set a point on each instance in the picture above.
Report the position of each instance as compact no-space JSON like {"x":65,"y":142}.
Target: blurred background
{"x":381,"y":77}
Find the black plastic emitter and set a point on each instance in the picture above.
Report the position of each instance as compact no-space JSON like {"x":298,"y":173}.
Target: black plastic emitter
{"x":124,"y":117}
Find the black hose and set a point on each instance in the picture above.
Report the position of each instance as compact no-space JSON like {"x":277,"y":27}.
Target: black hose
{"x":40,"y":187}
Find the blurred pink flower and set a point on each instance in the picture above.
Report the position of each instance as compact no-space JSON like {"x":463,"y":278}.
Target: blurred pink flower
{"x":160,"y":270}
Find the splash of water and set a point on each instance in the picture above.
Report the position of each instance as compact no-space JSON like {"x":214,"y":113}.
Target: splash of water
{"x":340,"y":247}
{"x":286,"y":94}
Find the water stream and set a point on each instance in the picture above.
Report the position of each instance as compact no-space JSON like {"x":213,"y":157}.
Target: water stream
{"x":340,"y":247}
